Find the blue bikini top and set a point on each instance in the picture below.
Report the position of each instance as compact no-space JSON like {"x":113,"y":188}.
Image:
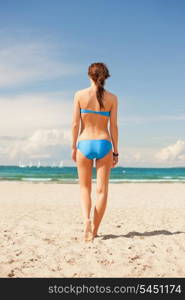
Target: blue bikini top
{"x":103,"y":113}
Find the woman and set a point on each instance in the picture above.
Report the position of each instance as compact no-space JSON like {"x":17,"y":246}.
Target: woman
{"x":93,"y":108}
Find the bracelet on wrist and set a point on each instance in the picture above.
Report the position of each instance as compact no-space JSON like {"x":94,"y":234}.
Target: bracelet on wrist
{"x":115,"y":154}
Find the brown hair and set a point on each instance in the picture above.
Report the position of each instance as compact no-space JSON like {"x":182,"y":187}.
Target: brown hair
{"x":98,"y":73}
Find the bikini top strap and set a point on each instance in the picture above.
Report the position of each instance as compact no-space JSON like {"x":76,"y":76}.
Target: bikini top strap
{"x":103,"y":113}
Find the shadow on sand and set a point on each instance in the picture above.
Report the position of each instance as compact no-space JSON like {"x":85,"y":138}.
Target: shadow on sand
{"x":135,"y":233}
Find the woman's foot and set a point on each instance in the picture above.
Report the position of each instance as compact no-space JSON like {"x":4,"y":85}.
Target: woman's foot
{"x":88,"y":235}
{"x":94,"y":232}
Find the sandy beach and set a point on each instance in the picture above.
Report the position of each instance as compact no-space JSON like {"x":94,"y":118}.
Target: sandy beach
{"x":142,"y":233}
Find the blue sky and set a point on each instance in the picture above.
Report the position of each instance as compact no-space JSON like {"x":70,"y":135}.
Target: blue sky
{"x":45,"y":50}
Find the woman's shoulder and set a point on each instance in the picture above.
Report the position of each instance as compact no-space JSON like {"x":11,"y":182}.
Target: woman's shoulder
{"x":81,"y":92}
{"x":113,"y":96}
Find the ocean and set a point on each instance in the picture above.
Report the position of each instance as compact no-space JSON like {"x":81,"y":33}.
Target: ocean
{"x":70,"y":175}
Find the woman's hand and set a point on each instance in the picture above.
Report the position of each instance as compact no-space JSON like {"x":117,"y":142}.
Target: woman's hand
{"x":115,"y":161}
{"x":73,"y":154}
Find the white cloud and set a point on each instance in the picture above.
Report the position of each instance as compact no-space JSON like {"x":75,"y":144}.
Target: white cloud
{"x":28,"y":61}
{"x":42,"y":143}
{"x":174,"y":152}
{"x":22,"y":114}
{"x":136,"y":156}
{"x":35,"y":126}
{"x":171,"y":156}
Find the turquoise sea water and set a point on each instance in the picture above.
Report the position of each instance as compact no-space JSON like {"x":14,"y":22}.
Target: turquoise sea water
{"x":70,"y":175}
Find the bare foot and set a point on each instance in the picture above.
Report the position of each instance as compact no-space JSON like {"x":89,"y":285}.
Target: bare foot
{"x":88,"y":236}
{"x":94,"y":232}
{"x":96,"y":235}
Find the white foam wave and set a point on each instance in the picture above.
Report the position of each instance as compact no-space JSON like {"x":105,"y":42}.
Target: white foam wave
{"x":36,"y":179}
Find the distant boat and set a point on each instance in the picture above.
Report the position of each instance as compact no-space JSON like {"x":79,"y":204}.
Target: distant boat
{"x":30,"y":164}
{"x":21,"y":165}
{"x":38,"y":164}
{"x":61,"y":164}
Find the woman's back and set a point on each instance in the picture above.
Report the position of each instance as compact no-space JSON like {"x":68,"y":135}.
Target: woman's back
{"x":94,"y":121}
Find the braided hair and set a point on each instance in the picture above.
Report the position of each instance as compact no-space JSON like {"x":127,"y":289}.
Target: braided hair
{"x":98,"y":73}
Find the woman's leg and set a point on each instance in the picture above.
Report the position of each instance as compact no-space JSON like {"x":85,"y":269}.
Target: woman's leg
{"x":84,"y":167}
{"x":103,"y":167}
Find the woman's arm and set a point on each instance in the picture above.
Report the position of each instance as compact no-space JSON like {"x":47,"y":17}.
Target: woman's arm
{"x":75,"y":120}
{"x":113,"y":125}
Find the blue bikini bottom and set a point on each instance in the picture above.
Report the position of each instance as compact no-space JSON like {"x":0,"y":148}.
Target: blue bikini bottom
{"x":94,"y":148}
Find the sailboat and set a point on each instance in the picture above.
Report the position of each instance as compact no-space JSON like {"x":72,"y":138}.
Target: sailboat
{"x":38,"y":164}
{"x":61,"y":164}
{"x":30,"y":164}
{"x":21,"y":165}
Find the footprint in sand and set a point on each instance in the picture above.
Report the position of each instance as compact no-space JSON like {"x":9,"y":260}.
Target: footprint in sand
{"x":130,"y":247}
{"x":18,"y":253}
{"x":70,"y":261}
{"x":74,"y":238}
{"x":105,"y":262}
{"x":11,"y":274}
{"x":146,"y":267}
{"x":134,"y":258}
{"x":33,"y":259}
{"x":49,"y":241}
